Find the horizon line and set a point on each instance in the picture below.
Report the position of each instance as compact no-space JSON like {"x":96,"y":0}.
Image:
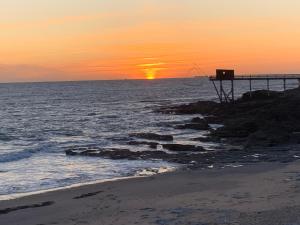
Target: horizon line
{"x":129,"y":79}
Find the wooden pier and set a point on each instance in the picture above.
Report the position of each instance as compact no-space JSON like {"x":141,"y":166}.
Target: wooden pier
{"x":229,"y":76}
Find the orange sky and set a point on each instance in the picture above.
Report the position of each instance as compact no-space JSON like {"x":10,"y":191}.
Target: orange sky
{"x":97,"y":39}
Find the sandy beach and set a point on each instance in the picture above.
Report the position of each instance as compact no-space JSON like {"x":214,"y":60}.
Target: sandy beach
{"x":138,"y":112}
{"x":266,"y":193}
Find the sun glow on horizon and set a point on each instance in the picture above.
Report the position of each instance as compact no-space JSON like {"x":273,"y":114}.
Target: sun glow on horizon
{"x":54,"y":40}
{"x":151,"y":69}
{"x":150,"y":74}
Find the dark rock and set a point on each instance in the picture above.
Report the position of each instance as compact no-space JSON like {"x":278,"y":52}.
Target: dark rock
{"x":193,"y":126}
{"x":236,"y":128}
{"x":112,"y":153}
{"x":262,"y":124}
{"x":201,"y":107}
{"x":197,"y":120}
{"x":206,"y":139}
{"x":118,"y":154}
{"x":183,"y":148}
{"x":192,"y":158}
{"x":214,"y":119}
{"x":150,"y":144}
{"x":251,"y":119}
{"x":260,"y":95}
{"x":268,"y":138}
{"x":152,"y":136}
{"x":196,"y":124}
{"x":70,"y":152}
{"x":295,"y":137}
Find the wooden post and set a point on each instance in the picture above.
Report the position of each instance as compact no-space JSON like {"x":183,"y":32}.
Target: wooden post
{"x":250,"y":86}
{"x":232,"y":90}
{"x":284,"y":84}
{"x":216,"y":90}
{"x":221,"y":90}
{"x":268,"y":84}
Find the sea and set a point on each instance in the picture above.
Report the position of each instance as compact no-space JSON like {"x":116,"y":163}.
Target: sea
{"x":39,"y":121}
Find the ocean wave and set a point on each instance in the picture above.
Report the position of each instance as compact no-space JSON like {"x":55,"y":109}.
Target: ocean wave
{"x":16,"y":156}
{"x":23,"y":154}
{"x":64,"y":132}
{"x":5,"y":137}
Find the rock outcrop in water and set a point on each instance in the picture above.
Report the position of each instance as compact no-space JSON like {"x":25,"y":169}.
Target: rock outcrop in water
{"x":152,"y":145}
{"x":258,"y":125}
{"x":152,"y":136}
{"x":195,"y":124}
{"x":114,"y":153}
{"x":193,"y":159}
{"x":262,"y":119}
{"x":183,"y":148}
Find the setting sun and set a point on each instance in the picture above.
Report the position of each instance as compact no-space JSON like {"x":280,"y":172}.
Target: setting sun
{"x":82,"y":41}
{"x":199,"y":99}
{"x":150,"y":74}
{"x":151,"y":69}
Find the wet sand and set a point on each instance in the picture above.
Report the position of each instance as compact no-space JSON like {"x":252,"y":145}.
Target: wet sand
{"x":265,"y":194}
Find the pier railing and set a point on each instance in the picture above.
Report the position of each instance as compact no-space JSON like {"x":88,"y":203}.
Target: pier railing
{"x":263,"y":77}
{"x":225,"y":96}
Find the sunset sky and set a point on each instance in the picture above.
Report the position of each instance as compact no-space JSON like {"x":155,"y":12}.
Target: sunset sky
{"x":43,"y":40}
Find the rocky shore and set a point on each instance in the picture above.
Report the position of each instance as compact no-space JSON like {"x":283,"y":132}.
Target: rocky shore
{"x":259,"y":119}
{"x":259,"y":132}
{"x":261,"y":126}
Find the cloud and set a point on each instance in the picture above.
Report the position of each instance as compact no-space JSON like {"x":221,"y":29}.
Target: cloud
{"x":151,"y":64}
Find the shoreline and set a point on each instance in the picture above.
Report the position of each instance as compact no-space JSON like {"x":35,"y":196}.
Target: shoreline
{"x":265,"y":190}
{"x":180,"y":168}
{"x":9,"y":197}
{"x":33,"y":193}
{"x":200,"y":196}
